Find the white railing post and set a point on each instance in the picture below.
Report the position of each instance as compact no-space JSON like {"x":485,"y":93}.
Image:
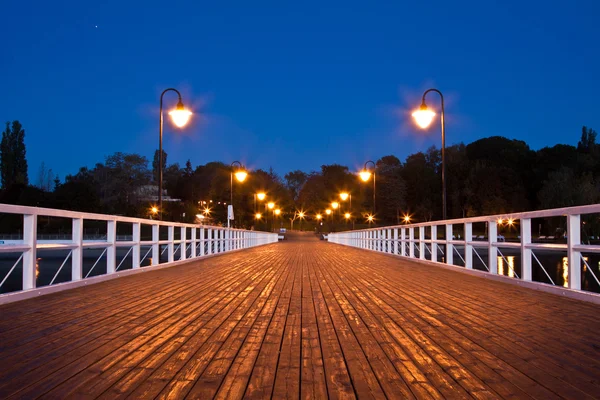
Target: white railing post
{"x":111,"y":249}
{"x":155,"y":245}
{"x":77,"y":252}
{"x":468,"y":246}
{"x":194,"y":242}
{"x":183,"y":246}
{"x":449,"y":247}
{"x":389,"y":240}
{"x":209,"y":241}
{"x":29,"y":256}
{"x":525,"y":252}
{"x":411,"y":242}
{"x":136,"y":238}
{"x":171,"y":244}
{"x":433,"y":243}
{"x":403,"y":241}
{"x":422,"y":242}
{"x":202,"y":240}
{"x":574,"y":256}
{"x":492,"y":250}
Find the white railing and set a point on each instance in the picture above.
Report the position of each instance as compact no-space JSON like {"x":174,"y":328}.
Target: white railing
{"x":489,"y":251}
{"x":180,"y":241}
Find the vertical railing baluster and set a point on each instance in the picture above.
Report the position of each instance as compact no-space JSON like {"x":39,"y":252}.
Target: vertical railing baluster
{"x":492,"y":249}
{"x":468,"y":246}
{"x":526,"y":271}
{"x":136,"y":238}
{"x":183,"y":246}
{"x":194,"y":242}
{"x":433,"y":243}
{"x":449,"y":247}
{"x":403,"y":241}
{"x":111,"y":249}
{"x":422,"y":243}
{"x":574,"y":256}
{"x":209,"y":241}
{"x":411,"y":242}
{"x":171,"y":244}
{"x":29,"y":256}
{"x":77,"y":252}
{"x":155,"y":244}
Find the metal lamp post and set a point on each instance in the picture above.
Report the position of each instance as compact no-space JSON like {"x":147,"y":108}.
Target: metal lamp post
{"x":424,"y":116}
{"x":365,"y":175}
{"x":180,"y":117}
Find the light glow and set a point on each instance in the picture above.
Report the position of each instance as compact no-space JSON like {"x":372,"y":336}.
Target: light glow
{"x":500,"y":220}
{"x":407,"y":218}
{"x":335,"y":205}
{"x":365,"y":175}
{"x":347,"y":215}
{"x":241,"y":175}
{"x":180,"y":116}
{"x":319,"y":216}
{"x":154,"y":210}
{"x":301,"y":214}
{"x":344,"y":196}
{"x":271,"y":205}
{"x":258,"y":216}
{"x":423,"y":116}
{"x":261,"y":196}
{"x":277,"y":211}
{"x":328,"y":211}
{"x":370,"y":218}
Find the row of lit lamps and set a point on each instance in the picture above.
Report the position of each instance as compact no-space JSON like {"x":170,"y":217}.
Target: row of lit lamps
{"x":181,"y":116}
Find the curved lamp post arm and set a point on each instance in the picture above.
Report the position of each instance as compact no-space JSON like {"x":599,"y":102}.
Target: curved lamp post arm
{"x":443,"y":148}
{"x":160,"y":152}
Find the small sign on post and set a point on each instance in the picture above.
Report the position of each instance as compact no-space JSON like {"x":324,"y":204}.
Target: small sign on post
{"x":230,"y":212}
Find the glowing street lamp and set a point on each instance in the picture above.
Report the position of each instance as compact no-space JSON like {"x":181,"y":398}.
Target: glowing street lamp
{"x":344,"y":196}
{"x":335,"y":205}
{"x":423,"y":117}
{"x":370,"y":219}
{"x":328,"y":211}
{"x":319,"y":217}
{"x":347,"y":215}
{"x":261,"y":196}
{"x":258,"y":216}
{"x":154,"y":210}
{"x":240,"y":175}
{"x":271,"y":205}
{"x":277,"y":211}
{"x":180,"y":117}
{"x":406,"y":218}
{"x":365,"y":175}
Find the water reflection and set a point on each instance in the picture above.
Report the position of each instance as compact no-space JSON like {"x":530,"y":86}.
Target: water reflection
{"x":565,"y":269}
{"x":511,"y":265}
{"x":37,"y":267}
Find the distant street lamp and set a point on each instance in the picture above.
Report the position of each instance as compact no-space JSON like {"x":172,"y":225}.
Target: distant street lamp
{"x":180,"y":117}
{"x":365,"y":175}
{"x":424,"y":116}
{"x":240,"y":175}
{"x":370,"y":219}
{"x":261,"y":196}
{"x":344,"y":196}
{"x":258,"y":216}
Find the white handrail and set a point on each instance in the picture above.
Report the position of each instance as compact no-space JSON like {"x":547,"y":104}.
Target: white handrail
{"x":192,"y":236}
{"x":398,"y":238}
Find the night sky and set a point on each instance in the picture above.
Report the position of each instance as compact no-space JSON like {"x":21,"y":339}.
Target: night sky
{"x":295,"y":85}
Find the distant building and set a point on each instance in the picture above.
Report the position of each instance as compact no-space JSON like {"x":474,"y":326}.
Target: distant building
{"x":150,"y":193}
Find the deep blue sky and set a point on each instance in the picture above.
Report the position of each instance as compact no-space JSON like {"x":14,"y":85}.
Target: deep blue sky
{"x":293,"y":85}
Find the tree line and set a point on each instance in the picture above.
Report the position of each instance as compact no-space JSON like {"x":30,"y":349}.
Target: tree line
{"x":489,"y":176}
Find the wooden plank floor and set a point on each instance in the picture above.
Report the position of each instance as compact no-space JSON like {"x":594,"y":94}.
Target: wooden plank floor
{"x":300,"y":319}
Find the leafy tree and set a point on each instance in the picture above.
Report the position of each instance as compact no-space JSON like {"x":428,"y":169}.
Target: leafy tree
{"x":13,"y":163}
{"x":294,"y":181}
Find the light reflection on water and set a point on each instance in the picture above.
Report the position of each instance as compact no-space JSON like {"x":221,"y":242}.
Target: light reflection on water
{"x":511,"y":265}
{"x":565,"y":269}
